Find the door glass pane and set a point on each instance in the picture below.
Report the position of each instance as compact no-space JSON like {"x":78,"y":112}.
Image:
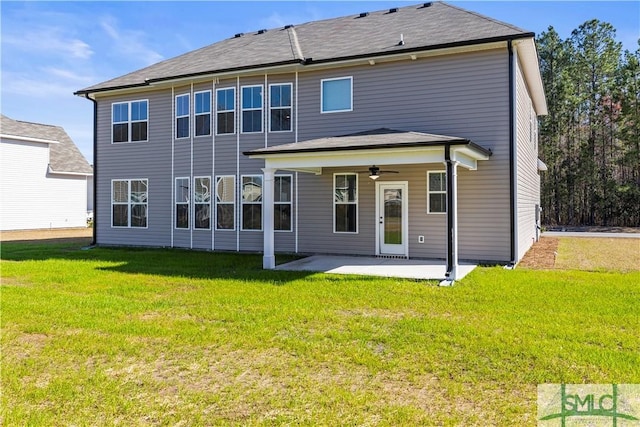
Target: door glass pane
{"x":393,"y":216}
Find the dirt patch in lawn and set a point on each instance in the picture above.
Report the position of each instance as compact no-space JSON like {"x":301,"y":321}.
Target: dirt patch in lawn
{"x":61,"y":235}
{"x":542,"y":254}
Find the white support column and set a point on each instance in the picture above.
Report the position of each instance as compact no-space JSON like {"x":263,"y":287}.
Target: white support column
{"x":269,"y":258}
{"x":454,"y":206}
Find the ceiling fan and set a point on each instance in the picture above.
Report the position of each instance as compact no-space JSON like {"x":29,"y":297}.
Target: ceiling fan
{"x":375,"y":172}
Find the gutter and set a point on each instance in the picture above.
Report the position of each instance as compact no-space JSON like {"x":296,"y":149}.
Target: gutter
{"x":94,"y":240}
{"x":512,"y":166}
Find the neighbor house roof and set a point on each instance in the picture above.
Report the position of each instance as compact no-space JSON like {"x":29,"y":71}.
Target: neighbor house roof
{"x":64,"y":155}
{"x":420,"y":27}
{"x":371,"y":139}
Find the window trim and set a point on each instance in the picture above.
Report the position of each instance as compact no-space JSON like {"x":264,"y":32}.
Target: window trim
{"x":290,"y":203}
{"x":356,"y":203}
{"x":322,"y":110}
{"x":216,"y":203}
{"x":218,"y":90}
{"x":129,"y":121}
{"x":195,"y":203}
{"x":129,"y":204}
{"x":196,"y":114}
{"x":429,"y":192}
{"x":281,"y":108}
{"x":176,"y":203}
{"x":242,"y":109}
{"x":242,"y":203}
{"x":188,"y":115}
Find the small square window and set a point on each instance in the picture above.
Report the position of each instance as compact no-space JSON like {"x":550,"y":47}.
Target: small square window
{"x":336,"y":95}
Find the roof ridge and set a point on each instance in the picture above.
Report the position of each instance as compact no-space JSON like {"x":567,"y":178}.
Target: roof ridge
{"x":479,"y":15}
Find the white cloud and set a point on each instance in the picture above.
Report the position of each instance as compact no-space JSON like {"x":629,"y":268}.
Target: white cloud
{"x":35,"y":87}
{"x":49,"y":41}
{"x":130,"y":43}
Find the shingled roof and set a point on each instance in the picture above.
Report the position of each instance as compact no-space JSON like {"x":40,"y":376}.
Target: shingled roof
{"x":423,"y":27}
{"x":64,"y":155}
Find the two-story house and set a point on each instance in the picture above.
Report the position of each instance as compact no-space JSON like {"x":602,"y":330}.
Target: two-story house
{"x":408,"y":132}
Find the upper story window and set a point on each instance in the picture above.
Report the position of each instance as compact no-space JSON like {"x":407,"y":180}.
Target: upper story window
{"x":345,"y":203}
{"x":129,"y":121}
{"x":251,"y":109}
{"x":280,"y":107}
{"x":129,"y":201}
{"x":436,"y":192}
{"x":336,"y":95}
{"x":202,"y":110}
{"x":226,"y":110}
{"x":182,"y":116}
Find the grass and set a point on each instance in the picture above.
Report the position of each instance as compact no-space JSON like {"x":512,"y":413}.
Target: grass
{"x":603,"y":254}
{"x":170,"y":337}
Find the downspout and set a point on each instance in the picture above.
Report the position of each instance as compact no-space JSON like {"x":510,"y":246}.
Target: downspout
{"x":512,"y":170}
{"x":95,"y":168}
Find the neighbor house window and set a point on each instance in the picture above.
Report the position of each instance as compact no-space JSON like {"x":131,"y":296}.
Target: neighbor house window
{"x":282,"y":203}
{"x":280,"y":107}
{"x":225,"y":202}
{"x":182,"y":116}
{"x":182,"y":202}
{"x":437,"y":192}
{"x":336,"y":95}
{"x":129,"y":201}
{"x":252,"y":202}
{"x":225,"y":110}
{"x":202,"y":202}
{"x":202,"y":110}
{"x":129,"y":121}
{"x":345,"y":201}
{"x":251,"y":109}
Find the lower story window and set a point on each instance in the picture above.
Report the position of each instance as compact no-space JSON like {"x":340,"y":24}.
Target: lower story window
{"x":202,"y":202}
{"x":252,"y":202}
{"x":436,"y":192}
{"x":225,"y":202}
{"x":129,"y":202}
{"x":182,"y":202}
{"x":282,"y":203}
{"x":345,"y":202}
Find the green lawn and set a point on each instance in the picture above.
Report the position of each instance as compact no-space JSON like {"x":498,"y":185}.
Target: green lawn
{"x":170,"y":337}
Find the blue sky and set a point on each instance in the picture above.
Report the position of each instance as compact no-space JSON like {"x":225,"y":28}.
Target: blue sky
{"x":51,"y":49}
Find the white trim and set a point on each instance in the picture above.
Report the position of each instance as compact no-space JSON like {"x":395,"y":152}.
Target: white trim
{"x":188,"y":202}
{"x":201,"y":203}
{"x":216,"y":203}
{"x":356,"y":203}
{"x":54,"y":172}
{"x":233,"y":88}
{"x":29,"y":139}
{"x":236,"y":123}
{"x":322,"y":111}
{"x":188,"y":115}
{"x":195,"y":114}
{"x":242,"y":109}
{"x":173,"y":172}
{"x":130,"y":121}
{"x":429,"y":192}
{"x":290,"y":107}
{"x":404,"y":185}
{"x":213,"y":168}
{"x":242,"y":201}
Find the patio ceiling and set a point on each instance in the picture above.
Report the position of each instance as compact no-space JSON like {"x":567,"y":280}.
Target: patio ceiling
{"x":375,"y":147}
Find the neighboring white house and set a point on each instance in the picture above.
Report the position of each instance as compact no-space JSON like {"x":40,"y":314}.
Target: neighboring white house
{"x":43,"y":177}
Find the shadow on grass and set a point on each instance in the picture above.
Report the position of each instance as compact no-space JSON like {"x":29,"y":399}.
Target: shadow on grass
{"x":155,"y":261}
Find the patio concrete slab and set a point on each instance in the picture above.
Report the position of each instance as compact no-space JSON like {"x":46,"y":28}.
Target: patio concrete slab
{"x":374,"y":266}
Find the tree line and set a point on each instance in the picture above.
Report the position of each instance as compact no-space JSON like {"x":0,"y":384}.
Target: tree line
{"x":590,"y":140}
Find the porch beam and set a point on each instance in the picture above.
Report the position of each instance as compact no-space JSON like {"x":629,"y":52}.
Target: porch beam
{"x":269,"y":258}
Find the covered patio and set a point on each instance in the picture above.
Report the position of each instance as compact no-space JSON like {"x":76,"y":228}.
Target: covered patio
{"x":377,"y":266}
{"x":373,"y":149}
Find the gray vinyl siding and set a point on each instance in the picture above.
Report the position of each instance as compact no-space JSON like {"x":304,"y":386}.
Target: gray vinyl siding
{"x":463,"y":95}
{"x":528,"y":179}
